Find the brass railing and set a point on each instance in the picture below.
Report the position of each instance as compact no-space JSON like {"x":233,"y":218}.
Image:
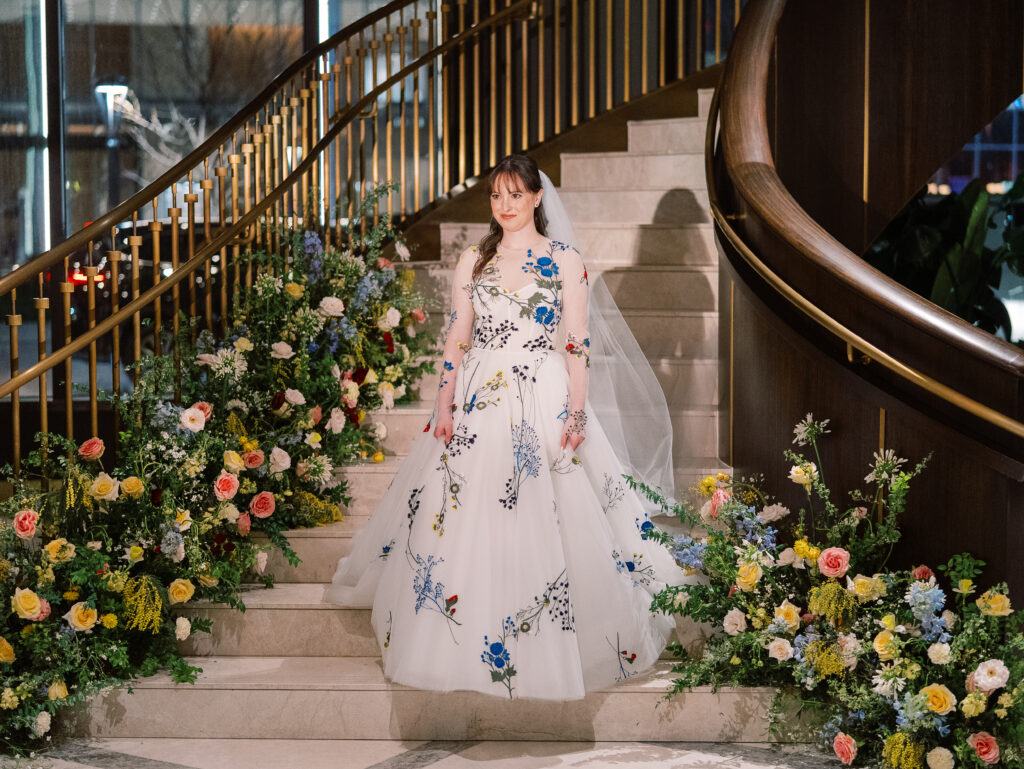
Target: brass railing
{"x":427,"y":97}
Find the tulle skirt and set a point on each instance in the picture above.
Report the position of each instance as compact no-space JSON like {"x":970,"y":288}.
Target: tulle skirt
{"x":502,"y":563}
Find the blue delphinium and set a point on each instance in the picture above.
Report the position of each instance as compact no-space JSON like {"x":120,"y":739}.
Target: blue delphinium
{"x":689,"y":552}
{"x":926,"y":600}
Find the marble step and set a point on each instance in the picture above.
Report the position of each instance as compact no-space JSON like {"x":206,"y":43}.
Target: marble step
{"x":612,"y":244}
{"x":686,"y":134}
{"x":662,"y":287}
{"x":291,"y":620}
{"x":630,"y":170}
{"x":704,"y":97}
{"x":665,"y":205}
{"x":349,"y":698}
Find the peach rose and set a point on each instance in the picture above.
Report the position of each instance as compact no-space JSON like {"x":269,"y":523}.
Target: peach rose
{"x":253,"y":459}
{"x":316,"y":414}
{"x":845,"y":748}
{"x":418,"y":315}
{"x":262,"y":505}
{"x":25,"y":523}
{"x":834,"y":562}
{"x":985,"y":746}
{"x":82,"y":618}
{"x":180,"y":591}
{"x":226,"y":485}
{"x":204,"y":407}
{"x":27,"y":605}
{"x":922,"y":572}
{"x":92,"y":449}
{"x":244,"y":524}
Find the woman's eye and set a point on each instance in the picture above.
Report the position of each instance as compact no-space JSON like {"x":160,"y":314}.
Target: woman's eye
{"x":516,"y":195}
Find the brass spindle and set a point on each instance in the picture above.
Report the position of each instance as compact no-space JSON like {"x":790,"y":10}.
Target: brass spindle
{"x":375,"y":164}
{"x":248,"y":151}
{"x":319,"y":128}
{"x":462,"y":94}
{"x":155,"y":228}
{"x":477,"y":153}
{"x":90,"y":274}
{"x":431,"y":116}
{"x":625,"y":51}
{"x":67,"y":289}
{"x":446,"y":158}
{"x":736,"y":14}
{"x":609,"y":54}
{"x":402,"y":189}
{"x":190,"y":200}
{"x":524,"y":59}
{"x":416,"y":87}
{"x":280,"y":158}
{"x":699,"y":31}
{"x":388,"y":149}
{"x":336,"y":70}
{"x":175,"y":214}
{"x":269,"y":154}
{"x":540,"y":71}
{"x":592,"y":59}
{"x":207,"y":186}
{"x":135,"y":243}
{"x":508,"y":84}
{"x":258,"y":155}
{"x":349,"y":135}
{"x":355,"y":181}
{"x":661,"y":42}
{"x":114,"y":260}
{"x":681,"y":40}
{"x":300,"y":190}
{"x":643,"y":47}
{"x":14,"y":322}
{"x":556,"y":33}
{"x":42,"y":304}
{"x":221,"y":171}
{"x":718,"y":31}
{"x":574,"y":48}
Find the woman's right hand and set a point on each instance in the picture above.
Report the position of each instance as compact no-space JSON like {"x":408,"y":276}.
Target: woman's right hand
{"x":443,"y":428}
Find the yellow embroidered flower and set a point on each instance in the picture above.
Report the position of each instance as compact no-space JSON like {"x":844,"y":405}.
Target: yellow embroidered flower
{"x":994,"y":604}
{"x":9,"y":700}
{"x":939,"y":699}
{"x":1005,"y":700}
{"x":6,"y":651}
{"x":180,"y":591}
{"x":885,"y":646}
{"x":974,"y":704}
{"x":749,"y":575}
{"x":82,"y":617}
{"x":58,"y":691}
{"x":109,"y":621}
{"x":242,"y":344}
{"x":133,"y":486}
{"x":114,"y":581}
{"x":59,"y":550}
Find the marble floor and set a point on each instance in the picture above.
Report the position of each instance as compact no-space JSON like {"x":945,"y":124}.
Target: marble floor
{"x":374,"y":754}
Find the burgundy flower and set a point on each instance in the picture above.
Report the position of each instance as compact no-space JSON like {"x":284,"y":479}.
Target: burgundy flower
{"x":360,"y":374}
{"x":389,"y":341}
{"x":277,"y":401}
{"x":155,"y":496}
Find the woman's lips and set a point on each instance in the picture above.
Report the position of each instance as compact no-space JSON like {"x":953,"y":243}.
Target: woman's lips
{"x":508,"y":216}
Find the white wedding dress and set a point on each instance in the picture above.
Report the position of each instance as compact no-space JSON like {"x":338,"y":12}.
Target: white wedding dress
{"x":500,"y":562}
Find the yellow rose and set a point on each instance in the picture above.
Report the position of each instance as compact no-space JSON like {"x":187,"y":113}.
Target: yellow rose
{"x":789,"y":613}
{"x":804,"y":474}
{"x":233,"y":462}
{"x":888,"y":621}
{"x":181,"y":591}
{"x":59,"y":550}
{"x":208,"y":580}
{"x":940,"y":700}
{"x":6,"y":651}
{"x":749,"y":575}
{"x":26,"y":604}
{"x":242,"y":344}
{"x":994,"y":604}
{"x":294,"y":290}
{"x":58,"y":691}
{"x":114,"y":581}
{"x":109,"y":621}
{"x":885,"y":645}
{"x":104,"y":487}
{"x":133,"y":486}
{"x":378,"y":457}
{"x":862,"y":587}
{"x":81,"y":617}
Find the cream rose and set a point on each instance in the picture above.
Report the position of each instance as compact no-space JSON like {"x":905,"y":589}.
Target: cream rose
{"x":773,"y":513}
{"x":242,"y":344}
{"x":279,"y":460}
{"x":281,"y":351}
{"x":991,"y":675}
{"x":389,"y":319}
{"x":180,"y":591}
{"x":294,"y":397}
{"x":182,"y":628}
{"x":82,"y":618}
{"x":133,"y":486}
{"x":233,"y":462}
{"x":735,"y":622}
{"x":332,"y":307}
{"x":336,"y":422}
{"x":939,"y":758}
{"x":939,"y":654}
{"x":804,"y":474}
{"x":780,"y":649}
{"x":192,"y":419}
{"x":105,"y":488}
{"x":849,"y":647}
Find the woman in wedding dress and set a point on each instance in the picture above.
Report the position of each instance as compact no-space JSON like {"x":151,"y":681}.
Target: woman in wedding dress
{"x":509,"y":556}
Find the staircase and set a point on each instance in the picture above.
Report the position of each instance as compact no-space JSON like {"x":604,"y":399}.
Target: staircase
{"x":291,"y":666}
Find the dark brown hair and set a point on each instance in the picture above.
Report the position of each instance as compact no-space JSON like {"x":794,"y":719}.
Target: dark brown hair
{"x":524,"y":169}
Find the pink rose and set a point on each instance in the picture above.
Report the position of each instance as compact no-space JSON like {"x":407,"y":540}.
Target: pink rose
{"x":859,"y":513}
{"x":226,"y":485}
{"x":845,"y":748}
{"x":262,"y":505}
{"x":301,"y":469}
{"x":25,"y":523}
{"x":205,"y":407}
{"x":244,"y":524}
{"x":922,"y":572}
{"x":253,"y":459}
{"x":316,"y":414}
{"x":719,"y":498}
{"x":44,"y":611}
{"x":92,"y":449}
{"x":384,"y":263}
{"x":834,"y":562}
{"x":985,"y":746}
{"x":418,"y":315}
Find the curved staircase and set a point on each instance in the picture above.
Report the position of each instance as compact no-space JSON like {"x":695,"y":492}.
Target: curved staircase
{"x":291,"y":666}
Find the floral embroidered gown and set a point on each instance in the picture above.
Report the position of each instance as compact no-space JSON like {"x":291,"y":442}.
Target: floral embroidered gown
{"x":501,"y":562}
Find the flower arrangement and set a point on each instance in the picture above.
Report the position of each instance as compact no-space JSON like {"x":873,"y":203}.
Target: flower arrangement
{"x":101,"y":557}
{"x":906,"y":668}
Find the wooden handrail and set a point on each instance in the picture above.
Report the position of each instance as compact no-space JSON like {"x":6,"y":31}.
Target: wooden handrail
{"x":746,"y":151}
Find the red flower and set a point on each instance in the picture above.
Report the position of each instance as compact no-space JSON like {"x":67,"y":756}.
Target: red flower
{"x":922,"y":572}
{"x":360,"y":374}
{"x":389,"y":341}
{"x":277,"y":401}
{"x":427,"y":428}
{"x":353,"y":416}
{"x":156,"y":548}
{"x":155,"y":496}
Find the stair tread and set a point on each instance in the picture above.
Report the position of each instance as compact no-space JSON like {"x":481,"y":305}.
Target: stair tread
{"x":631,"y":154}
{"x":693,"y":119}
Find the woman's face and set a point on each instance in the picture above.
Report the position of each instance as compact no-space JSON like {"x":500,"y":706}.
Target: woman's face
{"x":512,"y":205}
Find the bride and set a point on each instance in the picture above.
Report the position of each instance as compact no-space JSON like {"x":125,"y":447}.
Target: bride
{"x":509,"y":556}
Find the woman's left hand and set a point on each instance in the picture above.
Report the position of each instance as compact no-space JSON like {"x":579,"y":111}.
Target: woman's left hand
{"x":572,"y":440}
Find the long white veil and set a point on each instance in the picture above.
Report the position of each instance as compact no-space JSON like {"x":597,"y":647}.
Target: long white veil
{"x":623,"y":391}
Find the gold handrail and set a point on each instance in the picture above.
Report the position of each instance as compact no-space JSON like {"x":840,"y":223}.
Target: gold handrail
{"x":825,"y":320}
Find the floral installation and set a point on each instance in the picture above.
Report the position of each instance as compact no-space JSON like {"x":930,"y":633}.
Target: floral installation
{"x":102,"y":560}
{"x":904,"y":668}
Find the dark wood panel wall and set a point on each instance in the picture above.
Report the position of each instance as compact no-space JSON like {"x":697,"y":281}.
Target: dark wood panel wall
{"x":868,"y":98}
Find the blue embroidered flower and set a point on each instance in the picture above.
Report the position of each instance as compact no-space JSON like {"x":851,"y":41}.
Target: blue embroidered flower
{"x":496,"y":656}
{"x":630,"y":566}
{"x":545,"y":265}
{"x":544,"y":315}
{"x":448,"y":366}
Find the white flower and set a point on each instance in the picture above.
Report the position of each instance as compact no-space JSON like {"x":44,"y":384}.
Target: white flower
{"x":950,"y":618}
{"x":336,"y":423}
{"x":991,"y":675}
{"x":391,"y":318}
{"x":279,"y":460}
{"x":773,"y":513}
{"x":281,"y":351}
{"x":734,"y":622}
{"x":379,"y":430}
{"x":410,"y":329}
{"x":849,"y":647}
{"x":236,"y":405}
{"x":207,"y":359}
{"x":402,"y":250}
{"x":788,"y":557}
{"x":242,"y":344}
{"x":294,"y":397}
{"x":336,"y":372}
{"x":780,"y":649}
{"x":887,"y":684}
{"x":681,"y":599}
{"x":261,"y":561}
{"x":179,"y":553}
{"x":313,"y":439}
{"x":182,"y":628}
{"x":939,"y":758}
{"x":228,"y":512}
{"x":804,"y":474}
{"x":886,"y":466}
{"x":371,"y":377}
{"x":332,"y":307}
{"x":387,"y":394}
{"x":400,"y":391}
{"x":939,"y":654}
{"x":192,"y":419}
{"x":42,"y":724}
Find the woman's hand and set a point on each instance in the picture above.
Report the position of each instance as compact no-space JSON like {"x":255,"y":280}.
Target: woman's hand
{"x":575,"y":429}
{"x":443,"y":428}
{"x":572,"y":440}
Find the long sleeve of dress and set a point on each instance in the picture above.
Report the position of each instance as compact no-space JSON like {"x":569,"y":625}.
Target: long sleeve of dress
{"x":577,"y":338}
{"x":460,"y":329}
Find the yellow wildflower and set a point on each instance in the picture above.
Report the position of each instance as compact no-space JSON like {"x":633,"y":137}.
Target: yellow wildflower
{"x":833,"y":602}
{"x":974,"y":704}
{"x":9,"y":700}
{"x":143,"y":604}
{"x":707,"y":486}
{"x":900,"y":752}
{"x":735,"y":660}
{"x":1006,"y":700}
{"x":825,"y":658}
{"x":378,"y":456}
{"x":71,"y":595}
{"x":109,"y":621}
{"x":801,"y":548}
{"x":964,"y":587}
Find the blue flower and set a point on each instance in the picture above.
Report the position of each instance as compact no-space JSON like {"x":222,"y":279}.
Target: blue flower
{"x":312,"y":347}
{"x":544,"y":315}
{"x":312,"y":244}
{"x":546,"y":266}
{"x":630,"y":566}
{"x":448,"y":366}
